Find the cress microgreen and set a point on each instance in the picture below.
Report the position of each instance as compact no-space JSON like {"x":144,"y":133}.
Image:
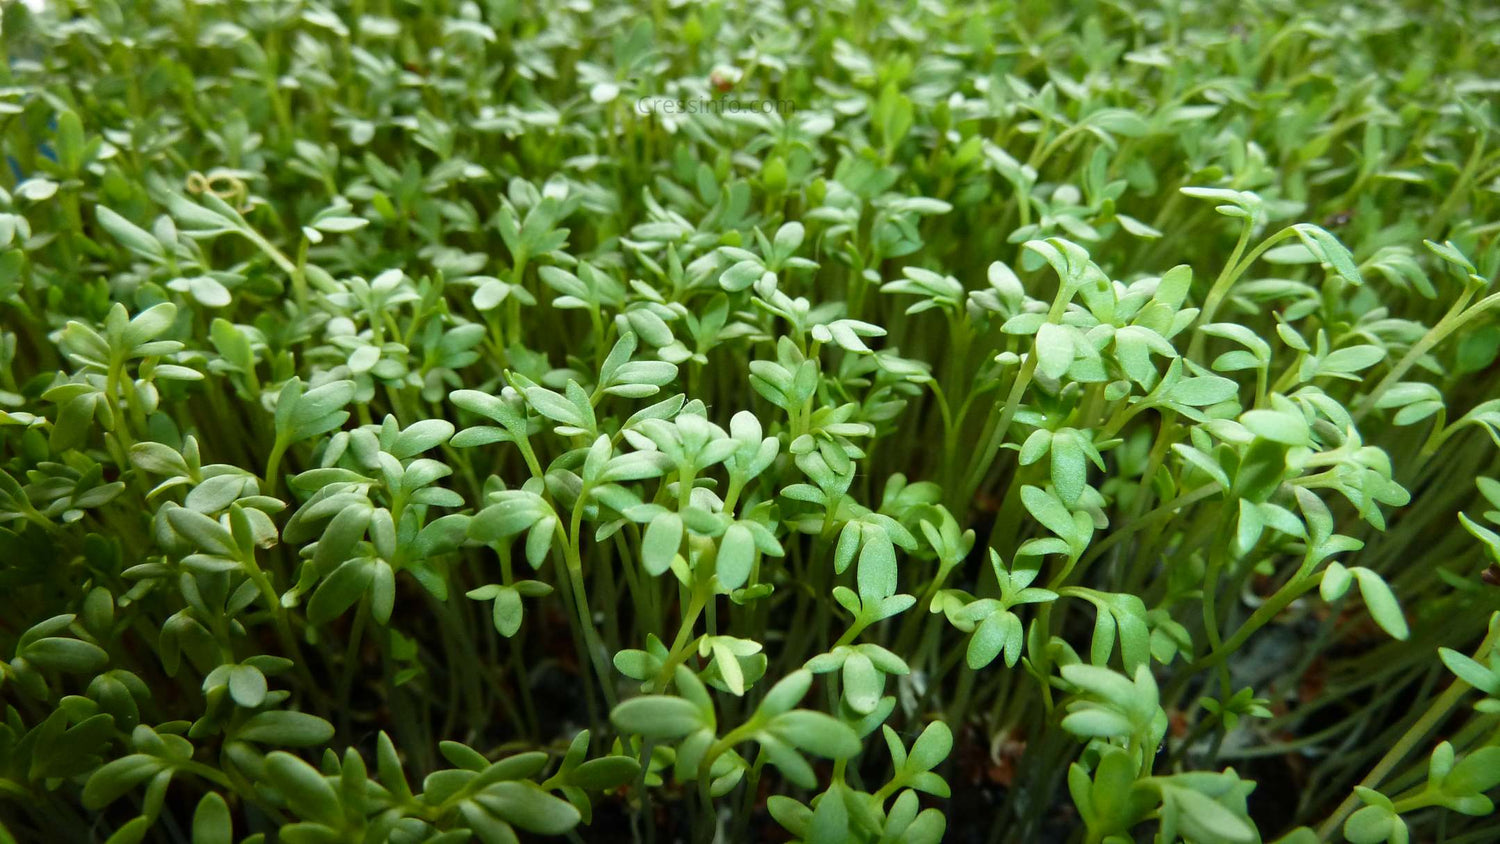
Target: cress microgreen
{"x":441,"y":420}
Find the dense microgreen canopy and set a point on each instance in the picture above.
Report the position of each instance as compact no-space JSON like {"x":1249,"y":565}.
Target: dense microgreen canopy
{"x":852,"y":421}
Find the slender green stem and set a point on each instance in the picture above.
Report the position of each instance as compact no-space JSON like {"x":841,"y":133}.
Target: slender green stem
{"x":1456,"y":318}
{"x":1429,"y":720}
